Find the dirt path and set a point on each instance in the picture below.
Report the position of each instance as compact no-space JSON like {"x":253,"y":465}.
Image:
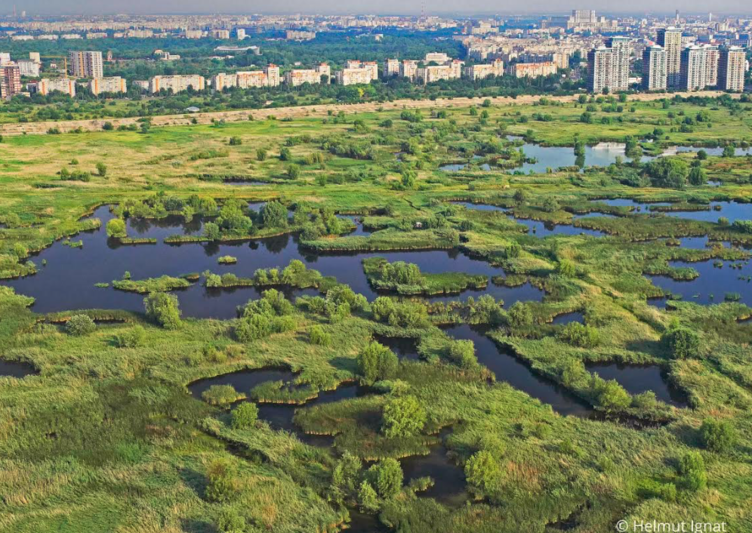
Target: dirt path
{"x":304,"y":111}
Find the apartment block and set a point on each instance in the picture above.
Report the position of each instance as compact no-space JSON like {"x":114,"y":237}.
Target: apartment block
{"x":671,"y":41}
{"x":85,"y":64}
{"x":46,"y":86}
{"x":409,"y":69}
{"x":478,"y":72}
{"x":434,"y":73}
{"x":114,"y":84}
{"x":193,"y":34}
{"x":300,"y":35}
{"x":699,"y":67}
{"x":176,"y":84}
{"x":654,"y":68}
{"x":297,"y":77}
{"x":10,"y":81}
{"x":391,"y":68}
{"x":437,"y":57}
{"x":600,"y":69}
{"x":532,"y":70}
{"x":29,"y":68}
{"x":731,"y":69}
{"x":221,"y":34}
{"x":269,"y":77}
{"x":354,"y":76}
{"x":621,"y":51}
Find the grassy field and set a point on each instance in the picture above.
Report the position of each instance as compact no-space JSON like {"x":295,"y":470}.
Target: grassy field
{"x":105,"y":436}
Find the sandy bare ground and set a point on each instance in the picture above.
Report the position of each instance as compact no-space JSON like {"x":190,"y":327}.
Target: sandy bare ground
{"x":305,"y":111}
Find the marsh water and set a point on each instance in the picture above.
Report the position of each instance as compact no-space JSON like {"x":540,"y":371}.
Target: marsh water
{"x":713,"y":283}
{"x":16,"y":370}
{"x":67,"y":280}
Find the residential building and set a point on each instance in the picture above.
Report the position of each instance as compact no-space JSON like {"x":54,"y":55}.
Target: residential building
{"x":221,"y":34}
{"x":29,"y":68}
{"x":35,"y":56}
{"x":409,"y":69}
{"x":600,"y":69}
{"x":300,"y":35}
{"x":46,"y":86}
{"x":85,"y":64}
{"x":434,"y":73}
{"x":561,"y":59}
{"x":4,"y":58}
{"x":297,"y":77}
{"x":391,"y":68}
{"x":357,"y":73}
{"x":96,"y":35}
{"x":273,"y":78}
{"x":532,"y":70}
{"x":114,"y":84}
{"x":193,"y":34}
{"x":699,"y":67}
{"x":437,"y":57}
{"x":240,"y":33}
{"x":10,"y":81}
{"x":671,"y":41}
{"x":731,"y":69}
{"x":622,"y":52}
{"x":654,"y":68}
{"x":176,"y":83}
{"x":478,"y":72}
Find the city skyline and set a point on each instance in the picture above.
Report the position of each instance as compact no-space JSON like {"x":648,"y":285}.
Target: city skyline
{"x":359,"y":7}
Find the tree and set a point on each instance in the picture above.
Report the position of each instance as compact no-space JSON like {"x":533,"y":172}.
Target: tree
{"x":483,"y":472}
{"x":376,"y":362}
{"x":211,"y":231}
{"x":697,"y":176}
{"x":403,"y":416}
{"x":80,"y":325}
{"x":116,"y":228}
{"x":717,"y":435}
{"x":681,"y":342}
{"x":274,"y":215}
{"x":220,"y":481}
{"x":131,"y":339}
{"x":610,"y":395}
{"x":245,"y":416}
{"x":692,"y":470}
{"x":285,"y":154}
{"x":550,"y":205}
{"x":729,"y":151}
{"x":293,"y":171}
{"x":579,"y":335}
{"x":102,"y":170}
{"x":369,"y":500}
{"x":163,"y":309}
{"x":318,"y":336}
{"x":520,"y":315}
{"x":261,"y":154}
{"x":386,"y":476}
{"x":668,"y":172}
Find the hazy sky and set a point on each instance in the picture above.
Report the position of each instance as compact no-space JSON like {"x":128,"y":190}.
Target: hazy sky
{"x":365,"y":6}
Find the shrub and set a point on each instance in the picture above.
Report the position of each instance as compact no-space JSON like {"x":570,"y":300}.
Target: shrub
{"x":132,"y":338}
{"x":483,"y":472}
{"x":244,"y":416}
{"x":520,"y":315}
{"x":80,"y":325}
{"x":367,"y":497}
{"x":163,"y":309}
{"x":261,"y":154}
{"x":235,"y":141}
{"x":221,"y":484}
{"x":102,"y":170}
{"x":403,"y":416}
{"x":116,"y":228}
{"x":318,"y":336}
{"x":386,"y":476}
{"x":717,"y":435}
{"x":566,"y":268}
{"x":682,"y":343}
{"x":376,"y":362}
{"x":230,"y":521}
{"x":692,"y":470}
{"x":220,"y":395}
{"x":579,"y":335}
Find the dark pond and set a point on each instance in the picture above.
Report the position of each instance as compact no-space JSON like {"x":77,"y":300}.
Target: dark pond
{"x":715,"y":210}
{"x":16,"y":370}
{"x":712,"y":284}
{"x":67,"y":281}
{"x":510,"y":369}
{"x":449,"y":478}
{"x":536,"y":227}
{"x":568,"y":318}
{"x":404,"y":347}
{"x":637,"y":379}
{"x":358,"y":221}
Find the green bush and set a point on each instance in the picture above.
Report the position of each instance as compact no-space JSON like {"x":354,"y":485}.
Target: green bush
{"x":717,"y":435}
{"x":692,"y":470}
{"x":220,"y":395}
{"x":682,"y":343}
{"x":403,"y":416}
{"x":386,"y":476}
{"x":221,"y":483}
{"x":116,"y":228}
{"x":132,"y":338}
{"x":163,"y":309}
{"x":579,"y":335}
{"x":318,"y":336}
{"x":80,"y":325}
{"x":376,"y":362}
{"x":244,"y":416}
{"x":483,"y":472}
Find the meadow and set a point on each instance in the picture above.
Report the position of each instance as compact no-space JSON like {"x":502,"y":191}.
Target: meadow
{"x":100,"y":425}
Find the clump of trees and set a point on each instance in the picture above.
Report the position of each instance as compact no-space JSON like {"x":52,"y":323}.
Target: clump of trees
{"x":376,"y":362}
{"x":80,"y":325}
{"x":273,"y":313}
{"x":116,"y":228}
{"x":579,"y":335}
{"x":717,"y":435}
{"x":681,"y":342}
{"x":244,"y":416}
{"x":163,"y":309}
{"x":401,"y":314}
{"x":403,"y":416}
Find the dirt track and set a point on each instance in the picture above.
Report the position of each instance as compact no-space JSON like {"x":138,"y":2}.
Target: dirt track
{"x":303,"y":111}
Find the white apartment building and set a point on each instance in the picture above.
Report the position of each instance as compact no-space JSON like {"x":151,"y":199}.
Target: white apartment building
{"x":10,"y":81}
{"x":437,"y":57}
{"x":671,"y":41}
{"x":29,"y":68}
{"x":478,"y":72}
{"x":699,"y":67}
{"x":221,"y":34}
{"x":297,"y":77}
{"x":532,"y":70}
{"x":409,"y":69}
{"x":269,"y":77}
{"x":176,"y":83}
{"x":46,"y":86}
{"x":114,"y":84}
{"x":362,"y":74}
{"x":391,"y":68}
{"x":85,"y":64}
{"x":654,"y":68}
{"x":731,"y":69}
{"x":600,"y":69}
{"x":434,"y":73}
{"x":193,"y":34}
